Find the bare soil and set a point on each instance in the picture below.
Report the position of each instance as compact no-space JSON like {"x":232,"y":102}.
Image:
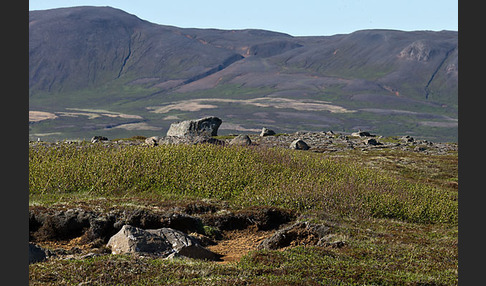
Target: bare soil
{"x":236,"y":243}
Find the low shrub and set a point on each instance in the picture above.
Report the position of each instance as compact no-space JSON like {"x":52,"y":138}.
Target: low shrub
{"x":244,"y":176}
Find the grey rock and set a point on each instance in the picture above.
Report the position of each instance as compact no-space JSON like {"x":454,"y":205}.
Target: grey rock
{"x":184,"y":244}
{"x":152,"y":141}
{"x":162,"y":242}
{"x":362,"y":134}
{"x":241,"y":140}
{"x":299,"y":144}
{"x":267,"y":132}
{"x":372,"y":142}
{"x":97,"y":139}
{"x":36,"y":253}
{"x":132,"y":239}
{"x":299,"y":231}
{"x":205,"y":126}
{"x":420,"y":148}
{"x":407,"y":138}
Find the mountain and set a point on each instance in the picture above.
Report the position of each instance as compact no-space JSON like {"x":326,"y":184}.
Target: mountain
{"x":102,"y":71}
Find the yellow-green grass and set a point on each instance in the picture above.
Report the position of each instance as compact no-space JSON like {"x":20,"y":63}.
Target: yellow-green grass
{"x":243,"y":176}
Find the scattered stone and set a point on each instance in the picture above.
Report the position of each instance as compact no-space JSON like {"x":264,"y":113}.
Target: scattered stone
{"x":362,"y":134}
{"x":335,"y":244}
{"x":372,"y":142}
{"x":36,"y":253}
{"x":299,"y":233}
{"x":420,"y":149}
{"x":241,"y":140}
{"x":407,"y":138}
{"x":152,"y":141}
{"x":299,"y":144}
{"x":332,"y":240}
{"x":161,"y":242}
{"x":207,"y":126}
{"x":97,"y":139}
{"x":267,"y":132}
{"x":89,"y":255}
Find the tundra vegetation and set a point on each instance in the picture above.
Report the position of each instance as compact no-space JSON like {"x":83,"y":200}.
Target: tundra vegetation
{"x":396,"y":211}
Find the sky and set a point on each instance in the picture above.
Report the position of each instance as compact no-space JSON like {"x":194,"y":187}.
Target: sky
{"x":297,"y":18}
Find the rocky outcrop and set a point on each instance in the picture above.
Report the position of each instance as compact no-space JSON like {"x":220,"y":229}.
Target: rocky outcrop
{"x":161,"y":242}
{"x":207,"y":126}
{"x":419,"y":51}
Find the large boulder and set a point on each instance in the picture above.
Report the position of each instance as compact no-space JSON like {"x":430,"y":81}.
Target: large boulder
{"x":207,"y":126}
{"x":161,"y":242}
{"x":132,"y":239}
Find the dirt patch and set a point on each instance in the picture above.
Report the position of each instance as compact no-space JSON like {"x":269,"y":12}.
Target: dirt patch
{"x":237,"y":243}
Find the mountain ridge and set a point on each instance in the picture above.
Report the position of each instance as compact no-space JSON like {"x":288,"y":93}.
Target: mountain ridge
{"x":104,"y":58}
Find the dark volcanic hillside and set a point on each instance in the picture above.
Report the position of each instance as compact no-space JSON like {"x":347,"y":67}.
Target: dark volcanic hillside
{"x":87,"y":46}
{"x":99,"y":70}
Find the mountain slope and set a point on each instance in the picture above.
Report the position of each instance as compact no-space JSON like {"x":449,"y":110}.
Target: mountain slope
{"x":101,"y":70}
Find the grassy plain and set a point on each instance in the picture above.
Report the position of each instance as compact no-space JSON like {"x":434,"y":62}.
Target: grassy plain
{"x":396,"y":211}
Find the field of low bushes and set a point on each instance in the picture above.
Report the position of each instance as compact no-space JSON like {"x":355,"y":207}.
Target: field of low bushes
{"x":242,"y":176}
{"x":396,"y":211}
